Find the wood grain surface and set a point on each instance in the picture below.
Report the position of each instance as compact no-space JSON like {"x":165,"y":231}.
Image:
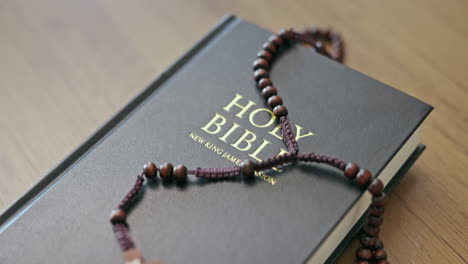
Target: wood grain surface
{"x":67,"y":66}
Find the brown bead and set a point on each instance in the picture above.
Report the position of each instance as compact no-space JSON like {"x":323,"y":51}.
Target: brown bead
{"x":265,"y":54}
{"x":363,"y":177}
{"x":376,"y":211}
{"x":247,"y":168}
{"x":380,"y":201}
{"x":166,"y":171}
{"x":376,"y":187}
{"x":274,"y":101}
{"x":260,"y":73}
{"x":374,"y":220}
{"x":351,"y":170}
{"x":280,"y":110}
{"x":270,"y":47}
{"x":286,"y":34}
{"x":264,"y":82}
{"x":368,"y":241}
{"x":319,"y":47}
{"x":379,"y":244}
{"x":180,"y":173}
{"x":364,"y":254}
{"x":268,"y":91}
{"x":276,"y":40}
{"x":260,"y":63}
{"x":383,"y":261}
{"x":118,"y":216}
{"x":150,"y":170}
{"x":380,"y":254}
{"x":371,"y":230}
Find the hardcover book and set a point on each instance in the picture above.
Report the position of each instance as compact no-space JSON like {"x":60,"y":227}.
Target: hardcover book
{"x":205,"y":111}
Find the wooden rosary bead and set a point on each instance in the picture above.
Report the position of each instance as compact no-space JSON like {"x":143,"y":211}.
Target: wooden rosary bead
{"x":247,"y":168}
{"x":118,"y":216}
{"x":276,"y":40}
{"x":378,"y":244}
{"x":150,"y":170}
{"x":351,"y":170}
{"x":260,"y":73}
{"x":371,"y":230}
{"x":319,"y":47}
{"x":364,"y":254}
{"x":260,"y":63}
{"x":270,"y":47}
{"x":166,"y":171}
{"x":274,"y":101}
{"x":180,"y":173}
{"x":374,"y":220}
{"x":264,"y":82}
{"x":380,"y":254}
{"x":379,"y":201}
{"x":375,"y":211}
{"x":265,"y":54}
{"x":376,"y":187}
{"x":368,"y":241}
{"x":280,"y":110}
{"x":269,"y":91}
{"x":363,"y":177}
{"x":286,"y":34}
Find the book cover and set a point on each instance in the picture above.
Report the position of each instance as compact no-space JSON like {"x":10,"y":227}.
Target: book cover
{"x":205,"y":111}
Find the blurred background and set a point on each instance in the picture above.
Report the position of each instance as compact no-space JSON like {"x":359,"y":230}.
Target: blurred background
{"x":67,"y":66}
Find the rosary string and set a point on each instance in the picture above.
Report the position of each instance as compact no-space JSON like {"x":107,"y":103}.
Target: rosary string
{"x":326,"y":43}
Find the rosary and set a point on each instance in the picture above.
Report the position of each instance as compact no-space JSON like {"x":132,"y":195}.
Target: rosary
{"x":326,"y":43}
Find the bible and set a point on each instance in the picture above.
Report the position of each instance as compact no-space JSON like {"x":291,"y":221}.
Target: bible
{"x":206,"y":111}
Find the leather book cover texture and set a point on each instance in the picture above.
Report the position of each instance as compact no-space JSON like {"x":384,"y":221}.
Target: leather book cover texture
{"x":205,"y":111}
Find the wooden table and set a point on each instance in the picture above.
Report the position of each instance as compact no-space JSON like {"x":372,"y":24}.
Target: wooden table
{"x":66,"y":66}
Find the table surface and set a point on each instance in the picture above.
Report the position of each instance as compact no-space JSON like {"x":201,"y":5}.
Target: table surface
{"x":67,"y":66}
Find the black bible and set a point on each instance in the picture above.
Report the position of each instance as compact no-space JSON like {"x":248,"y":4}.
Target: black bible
{"x":205,"y":111}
